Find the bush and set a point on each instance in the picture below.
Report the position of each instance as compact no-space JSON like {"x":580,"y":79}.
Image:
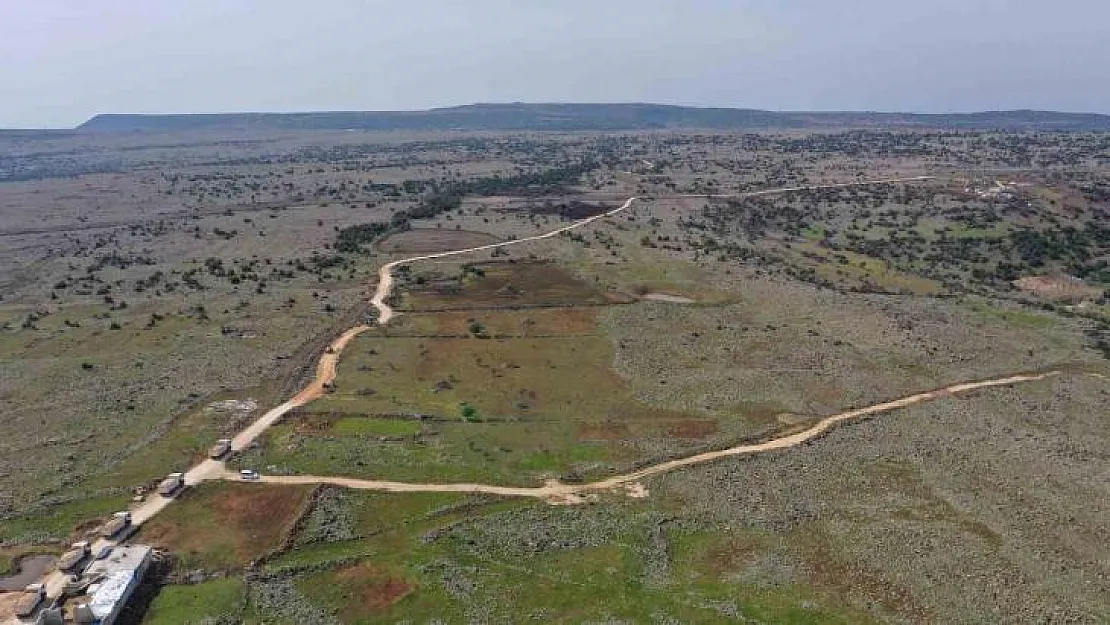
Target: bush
{"x":469,"y":413}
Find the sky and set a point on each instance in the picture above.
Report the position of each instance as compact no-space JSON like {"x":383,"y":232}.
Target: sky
{"x":63,"y":61}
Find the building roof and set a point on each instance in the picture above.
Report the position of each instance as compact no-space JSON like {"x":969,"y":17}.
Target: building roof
{"x":105,"y":594}
{"x":114,"y":578}
{"x":123,"y":558}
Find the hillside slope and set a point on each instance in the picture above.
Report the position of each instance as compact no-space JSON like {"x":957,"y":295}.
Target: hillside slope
{"x":521,"y":116}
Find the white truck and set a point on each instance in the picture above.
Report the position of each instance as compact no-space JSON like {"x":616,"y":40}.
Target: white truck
{"x":173,"y":483}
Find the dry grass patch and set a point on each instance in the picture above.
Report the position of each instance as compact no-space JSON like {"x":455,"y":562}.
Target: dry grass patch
{"x":504,"y":409}
{"x":605,"y":431}
{"x":505,"y":285}
{"x":427,"y":240}
{"x":377,"y":589}
{"x":1059,"y":287}
{"x":227,"y":525}
{"x":540,"y":322}
{"x":693,"y":428}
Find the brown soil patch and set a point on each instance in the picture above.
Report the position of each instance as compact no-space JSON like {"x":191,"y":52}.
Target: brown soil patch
{"x":573,"y":209}
{"x":376,"y":588}
{"x":760,"y":413}
{"x":521,"y":323}
{"x":428,"y":240}
{"x":726,"y":556}
{"x":788,"y":418}
{"x":692,"y":428}
{"x":8,"y":603}
{"x":261,"y":515}
{"x":505,"y":285}
{"x":847,"y":579}
{"x":1061,"y":288}
{"x":247,"y":520}
{"x":606,"y":431}
{"x":313,"y":423}
{"x":82,"y":530}
{"x":494,"y":375}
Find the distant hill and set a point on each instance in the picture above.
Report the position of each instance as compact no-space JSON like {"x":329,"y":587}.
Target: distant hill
{"x":517,"y":116}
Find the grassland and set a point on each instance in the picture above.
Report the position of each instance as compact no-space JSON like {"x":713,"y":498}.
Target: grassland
{"x":508,"y":396}
{"x":425,"y":240}
{"x":503,"y":285}
{"x":543,"y":361}
{"x":197,"y":603}
{"x":523,"y":560}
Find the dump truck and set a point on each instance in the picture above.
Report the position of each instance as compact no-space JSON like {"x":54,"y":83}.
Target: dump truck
{"x":220,"y":449}
{"x":173,"y":483}
{"x":30,"y":601}
{"x":118,"y":528}
{"x":73,"y":558}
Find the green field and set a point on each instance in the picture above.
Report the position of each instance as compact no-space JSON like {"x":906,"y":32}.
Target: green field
{"x":501,"y":405}
{"x":197,"y":603}
{"x":599,"y":563}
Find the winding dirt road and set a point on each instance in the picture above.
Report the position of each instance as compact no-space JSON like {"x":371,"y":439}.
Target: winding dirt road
{"x":385,"y":274}
{"x":554,"y":491}
{"x":326,"y":366}
{"x":812,"y":187}
{"x":558,"y":492}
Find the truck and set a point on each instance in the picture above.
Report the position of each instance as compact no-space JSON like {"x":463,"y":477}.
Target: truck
{"x":170,"y":486}
{"x":220,"y":449}
{"x":118,"y":528}
{"x":72,"y":559}
{"x":32,"y":598}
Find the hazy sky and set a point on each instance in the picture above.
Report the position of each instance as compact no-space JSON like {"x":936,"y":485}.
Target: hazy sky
{"x":62,"y":61}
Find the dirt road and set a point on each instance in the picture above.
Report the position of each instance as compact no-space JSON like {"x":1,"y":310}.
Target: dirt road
{"x":813,"y":187}
{"x":385,"y":274}
{"x":326,"y":371}
{"x":557,"y":492}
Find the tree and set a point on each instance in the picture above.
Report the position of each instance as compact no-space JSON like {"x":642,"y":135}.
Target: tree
{"x":469,"y":413}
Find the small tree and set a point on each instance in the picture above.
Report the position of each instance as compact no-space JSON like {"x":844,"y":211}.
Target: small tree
{"x":469,"y":413}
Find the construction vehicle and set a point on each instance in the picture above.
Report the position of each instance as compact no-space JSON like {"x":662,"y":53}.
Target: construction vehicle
{"x":118,"y":528}
{"x":71,"y":559}
{"x":32,"y":598}
{"x":220,"y":449}
{"x":173,"y":483}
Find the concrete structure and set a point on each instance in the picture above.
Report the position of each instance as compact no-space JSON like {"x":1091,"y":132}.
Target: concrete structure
{"x":111,"y":582}
{"x":96,"y":597}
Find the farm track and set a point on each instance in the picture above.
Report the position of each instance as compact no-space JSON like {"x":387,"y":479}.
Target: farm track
{"x":557,"y":492}
{"x":554,"y":491}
